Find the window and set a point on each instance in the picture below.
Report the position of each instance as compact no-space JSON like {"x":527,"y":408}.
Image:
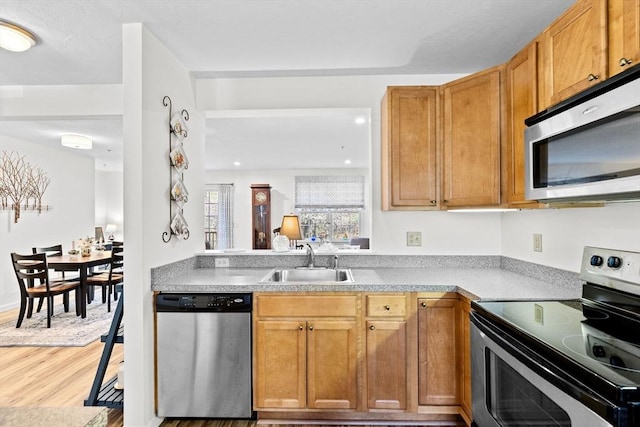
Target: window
{"x":218,"y":216}
{"x":329,"y":207}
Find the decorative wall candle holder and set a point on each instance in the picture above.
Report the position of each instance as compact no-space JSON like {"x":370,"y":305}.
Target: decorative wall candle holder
{"x":178,"y":163}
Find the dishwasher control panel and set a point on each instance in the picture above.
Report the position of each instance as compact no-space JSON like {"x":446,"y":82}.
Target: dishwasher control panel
{"x":203,"y":302}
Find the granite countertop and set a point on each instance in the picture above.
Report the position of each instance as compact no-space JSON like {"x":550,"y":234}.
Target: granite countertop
{"x":474,"y":283}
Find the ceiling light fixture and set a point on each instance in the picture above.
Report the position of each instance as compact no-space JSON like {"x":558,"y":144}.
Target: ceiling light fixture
{"x":15,"y":38}
{"x":236,"y":163}
{"x":80,"y":142}
{"x":360,"y":120}
{"x":347,"y":162}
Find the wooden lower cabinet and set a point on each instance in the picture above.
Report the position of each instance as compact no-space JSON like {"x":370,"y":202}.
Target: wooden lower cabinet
{"x":438,"y":364}
{"x":388,"y":356}
{"x":305,"y":363}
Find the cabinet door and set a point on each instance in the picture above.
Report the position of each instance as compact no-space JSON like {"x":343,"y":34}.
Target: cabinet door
{"x":521,"y":76}
{"x":331,"y":368}
{"x":471,"y":143}
{"x":280,"y":364}
{"x":409,"y":177}
{"x":386,"y":365}
{"x":574,"y":53}
{"x":624,"y":34}
{"x":438,"y":362}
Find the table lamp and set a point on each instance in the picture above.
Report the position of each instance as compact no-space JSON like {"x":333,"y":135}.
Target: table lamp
{"x":291,"y":228}
{"x":111,"y":228}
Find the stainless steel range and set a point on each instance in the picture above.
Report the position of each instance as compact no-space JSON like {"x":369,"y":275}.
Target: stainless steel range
{"x":562,"y":363}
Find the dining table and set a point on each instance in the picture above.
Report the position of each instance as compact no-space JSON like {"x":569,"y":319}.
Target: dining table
{"x":82,"y":264}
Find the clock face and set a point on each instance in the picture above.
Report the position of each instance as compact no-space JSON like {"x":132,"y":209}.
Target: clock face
{"x":261,"y":197}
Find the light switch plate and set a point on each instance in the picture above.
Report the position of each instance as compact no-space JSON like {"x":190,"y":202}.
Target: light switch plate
{"x":537,"y":242}
{"x":414,"y":238}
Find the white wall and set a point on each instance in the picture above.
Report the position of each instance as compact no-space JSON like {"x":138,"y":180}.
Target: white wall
{"x":282,"y":182}
{"x":109,"y":201}
{"x":151,"y":71}
{"x":565,"y":232}
{"x":70,"y":195}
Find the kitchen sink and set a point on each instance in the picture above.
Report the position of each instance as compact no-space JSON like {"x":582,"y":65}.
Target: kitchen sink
{"x":309,"y":275}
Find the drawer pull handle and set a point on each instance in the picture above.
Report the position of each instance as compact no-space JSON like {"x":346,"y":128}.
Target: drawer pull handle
{"x":387,"y":307}
{"x":592,"y":77}
{"x":624,"y":61}
{"x":373,"y":328}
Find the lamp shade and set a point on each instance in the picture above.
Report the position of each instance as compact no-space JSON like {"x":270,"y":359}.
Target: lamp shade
{"x":76,"y":141}
{"x":15,"y":38}
{"x":291,"y":227}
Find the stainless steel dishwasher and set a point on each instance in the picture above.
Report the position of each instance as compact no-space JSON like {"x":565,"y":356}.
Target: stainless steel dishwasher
{"x":204,"y":355}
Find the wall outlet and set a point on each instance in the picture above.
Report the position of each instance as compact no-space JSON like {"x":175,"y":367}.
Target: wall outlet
{"x":414,"y":238}
{"x":537,"y":242}
{"x":222,"y":262}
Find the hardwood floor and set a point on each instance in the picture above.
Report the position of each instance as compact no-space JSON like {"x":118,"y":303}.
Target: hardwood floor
{"x":52,"y":376}
{"x":62,"y":376}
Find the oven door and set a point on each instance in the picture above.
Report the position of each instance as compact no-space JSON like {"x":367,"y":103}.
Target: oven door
{"x":507,"y":393}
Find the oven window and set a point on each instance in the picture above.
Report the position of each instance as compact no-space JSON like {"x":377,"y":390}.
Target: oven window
{"x":603,"y":150}
{"x":514,"y":401}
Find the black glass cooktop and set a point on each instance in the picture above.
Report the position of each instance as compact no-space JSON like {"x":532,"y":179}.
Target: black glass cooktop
{"x":604,"y":342}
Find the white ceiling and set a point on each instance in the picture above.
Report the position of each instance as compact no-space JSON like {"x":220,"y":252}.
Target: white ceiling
{"x":80,"y":42}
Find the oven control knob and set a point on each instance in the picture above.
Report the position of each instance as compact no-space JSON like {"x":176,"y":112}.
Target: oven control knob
{"x":598,"y":351}
{"x":614,"y":262}
{"x":596,"y":260}
{"x":617,"y":361}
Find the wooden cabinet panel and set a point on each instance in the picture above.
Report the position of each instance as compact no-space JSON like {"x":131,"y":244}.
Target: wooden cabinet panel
{"x":573,"y":49}
{"x":331,"y":369}
{"x":438,"y":353}
{"x":386,"y":305}
{"x":280,"y":364}
{"x":465,"y":356}
{"x":306,"y":306}
{"x":471,"y":140}
{"x":386,"y":365}
{"x":521,"y":74}
{"x":409,"y":140}
{"x":624,"y":34}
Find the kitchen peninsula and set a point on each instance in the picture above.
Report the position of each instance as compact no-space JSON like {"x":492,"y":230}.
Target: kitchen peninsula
{"x":391,"y":345}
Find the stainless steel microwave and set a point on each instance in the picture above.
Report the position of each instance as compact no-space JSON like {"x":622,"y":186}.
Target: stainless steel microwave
{"x":588,"y":147}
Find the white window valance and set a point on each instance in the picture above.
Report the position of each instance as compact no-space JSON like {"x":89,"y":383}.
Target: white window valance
{"x":330,"y":192}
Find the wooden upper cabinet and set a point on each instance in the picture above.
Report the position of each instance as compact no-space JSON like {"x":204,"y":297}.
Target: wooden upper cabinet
{"x":409,"y":140}
{"x":573,"y":52}
{"x":624,"y":34}
{"x":521,"y":87}
{"x":471,"y":140}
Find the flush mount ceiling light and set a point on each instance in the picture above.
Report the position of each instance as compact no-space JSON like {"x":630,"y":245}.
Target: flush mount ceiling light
{"x":15,"y":38}
{"x":80,"y":142}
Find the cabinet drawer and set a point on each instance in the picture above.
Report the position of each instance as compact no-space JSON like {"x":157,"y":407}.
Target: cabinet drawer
{"x":386,"y":305}
{"x":306,"y":306}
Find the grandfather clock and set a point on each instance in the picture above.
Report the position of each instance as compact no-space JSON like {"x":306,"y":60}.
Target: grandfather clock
{"x":261,"y":215}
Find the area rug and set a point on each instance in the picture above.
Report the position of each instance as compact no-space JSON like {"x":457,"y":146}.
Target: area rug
{"x":67,"y":329}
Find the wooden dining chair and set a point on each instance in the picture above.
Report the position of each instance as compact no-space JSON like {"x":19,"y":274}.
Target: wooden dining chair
{"x":109,"y":279}
{"x":32,"y":273}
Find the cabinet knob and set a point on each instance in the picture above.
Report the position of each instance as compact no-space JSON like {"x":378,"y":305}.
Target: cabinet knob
{"x":423,"y":304}
{"x":592,"y":77}
{"x":387,"y":307}
{"x":373,"y":328}
{"x":624,"y":61}
{"x":445,"y":201}
{"x":311,"y":327}
{"x":300,"y":327}
{"x":433,"y":202}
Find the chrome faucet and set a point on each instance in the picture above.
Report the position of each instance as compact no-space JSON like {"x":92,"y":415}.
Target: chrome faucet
{"x":335,"y":262}
{"x":311,"y":257}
